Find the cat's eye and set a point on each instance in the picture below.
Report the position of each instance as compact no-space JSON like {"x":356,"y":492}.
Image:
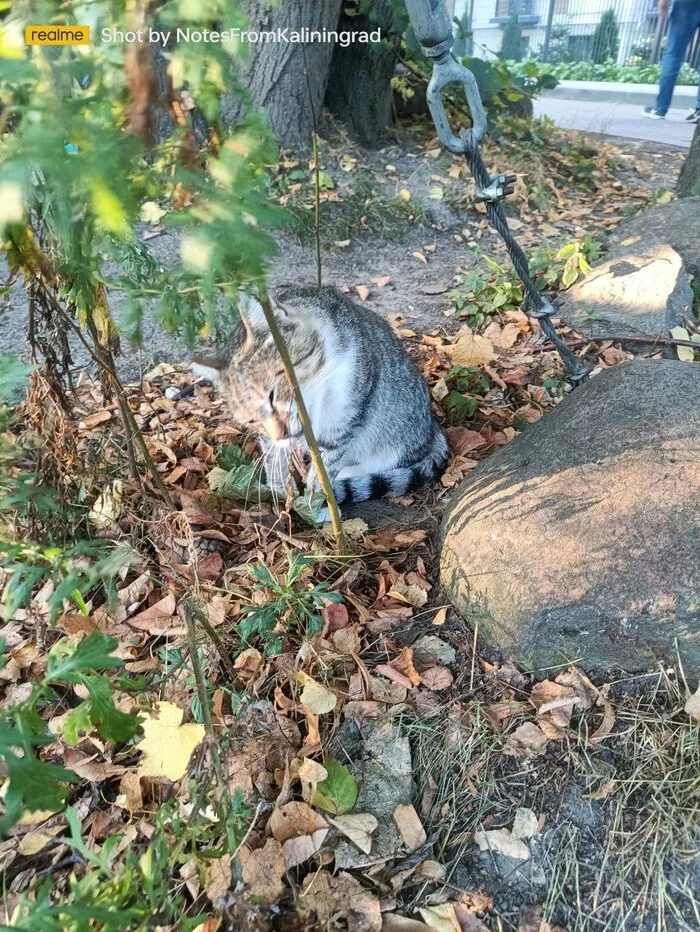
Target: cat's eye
{"x":271,"y":398}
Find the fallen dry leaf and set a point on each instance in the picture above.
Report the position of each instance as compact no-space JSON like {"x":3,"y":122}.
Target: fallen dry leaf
{"x":501,"y":841}
{"x":294,"y":819}
{"x":358,"y":827}
{"x":341,"y":898}
{"x":470,"y":349}
{"x":167,"y":744}
{"x":314,"y":696}
{"x":528,"y":740}
{"x":220,"y":877}
{"x":263,"y":870}
{"x":362,"y":291}
{"x":692,"y":705}
{"x":437,"y":678}
{"x":525,"y":823}
{"x":410,"y":827}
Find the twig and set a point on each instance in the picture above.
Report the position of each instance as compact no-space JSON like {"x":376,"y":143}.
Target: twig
{"x":622,"y":338}
{"x":106,"y":362}
{"x":215,"y":639}
{"x":317,"y":173}
{"x":303,"y":416}
{"x":208,"y":725}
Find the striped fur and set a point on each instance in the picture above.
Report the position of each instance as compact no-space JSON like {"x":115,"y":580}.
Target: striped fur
{"x":368,"y":404}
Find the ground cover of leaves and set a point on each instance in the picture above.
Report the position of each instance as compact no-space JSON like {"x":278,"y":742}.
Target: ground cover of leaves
{"x":387,"y":770}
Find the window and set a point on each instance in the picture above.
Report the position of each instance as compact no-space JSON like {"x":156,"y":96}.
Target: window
{"x":505,"y":8}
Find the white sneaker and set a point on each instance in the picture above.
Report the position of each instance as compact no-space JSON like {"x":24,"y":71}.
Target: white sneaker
{"x":693,"y":116}
{"x":653,"y":114}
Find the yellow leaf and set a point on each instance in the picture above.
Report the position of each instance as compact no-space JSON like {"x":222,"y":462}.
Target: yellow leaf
{"x":315,"y":697}
{"x":405,"y":194}
{"x":33,"y":842}
{"x":684,"y":353}
{"x":167,"y":744}
{"x":106,"y":509}
{"x":109,"y":210}
{"x":151,"y":212}
{"x":471,"y":350}
{"x":363,"y":291}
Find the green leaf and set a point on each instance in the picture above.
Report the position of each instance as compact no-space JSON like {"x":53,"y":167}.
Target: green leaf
{"x":68,"y":661}
{"x":338,"y":792}
{"x":33,"y":784}
{"x":309,"y":507}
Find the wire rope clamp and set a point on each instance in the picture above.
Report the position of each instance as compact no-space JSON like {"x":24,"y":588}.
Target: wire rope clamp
{"x":501,"y":186}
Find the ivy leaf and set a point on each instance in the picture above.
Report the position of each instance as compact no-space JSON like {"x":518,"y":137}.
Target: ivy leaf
{"x":338,"y":792}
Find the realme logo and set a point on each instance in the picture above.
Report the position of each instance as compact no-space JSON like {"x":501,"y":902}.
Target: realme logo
{"x":57,"y":35}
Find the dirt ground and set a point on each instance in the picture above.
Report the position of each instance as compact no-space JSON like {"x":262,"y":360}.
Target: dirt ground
{"x":599,"y":804}
{"x":448,"y":234}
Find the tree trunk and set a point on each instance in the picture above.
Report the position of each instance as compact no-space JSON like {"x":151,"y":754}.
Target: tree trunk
{"x":359,"y":84}
{"x":689,"y":179}
{"x":275,"y":75}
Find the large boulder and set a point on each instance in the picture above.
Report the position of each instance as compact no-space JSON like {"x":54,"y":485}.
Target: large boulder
{"x":640,"y":288}
{"x":580,"y":540}
{"x":675,"y":224}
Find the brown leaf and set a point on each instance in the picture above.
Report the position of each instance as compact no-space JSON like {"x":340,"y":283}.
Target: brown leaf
{"x":262,"y":871}
{"x":470,"y":349}
{"x":502,"y":842}
{"x":294,"y":819}
{"x":382,"y":280}
{"x":437,"y":678}
{"x":158,"y":618}
{"x":94,"y":420}
{"x":89,"y":767}
{"x":526,"y":741}
{"x":342,"y":898}
{"x":358,"y":827}
{"x":130,"y":796}
{"x":220,"y":877}
{"x":362,"y":291}
{"x":335,"y":616}
{"x":409,"y":826}
{"x":463,"y":441}
{"x":297,"y":850}
{"x":692,"y":705}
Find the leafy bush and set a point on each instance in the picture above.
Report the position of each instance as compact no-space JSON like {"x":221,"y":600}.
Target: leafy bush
{"x":606,"y":38}
{"x":635,"y":71}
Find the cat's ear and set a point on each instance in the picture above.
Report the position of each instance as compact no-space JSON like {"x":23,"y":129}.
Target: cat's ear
{"x":253,"y":316}
{"x":212,"y":366}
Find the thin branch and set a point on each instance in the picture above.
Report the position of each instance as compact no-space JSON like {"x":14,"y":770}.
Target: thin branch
{"x":208,"y":724}
{"x":317,"y":173}
{"x":106,"y":362}
{"x":623,"y":338}
{"x":316,"y":458}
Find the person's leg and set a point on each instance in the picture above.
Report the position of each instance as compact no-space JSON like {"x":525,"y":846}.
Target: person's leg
{"x":681,"y":26}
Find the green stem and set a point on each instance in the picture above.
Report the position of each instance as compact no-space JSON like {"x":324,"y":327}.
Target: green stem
{"x":317,"y":210}
{"x":304,"y":418}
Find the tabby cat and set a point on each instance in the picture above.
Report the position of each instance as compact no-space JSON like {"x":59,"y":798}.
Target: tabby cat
{"x":368,"y":404}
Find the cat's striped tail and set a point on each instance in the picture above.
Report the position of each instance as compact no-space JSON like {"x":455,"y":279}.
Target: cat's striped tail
{"x":397,"y":481}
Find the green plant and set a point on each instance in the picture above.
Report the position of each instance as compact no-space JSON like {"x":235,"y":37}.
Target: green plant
{"x":606,"y":38}
{"x":512,"y":42}
{"x":467,"y":387}
{"x":560,"y":268}
{"x":33,"y":783}
{"x":288,"y":605}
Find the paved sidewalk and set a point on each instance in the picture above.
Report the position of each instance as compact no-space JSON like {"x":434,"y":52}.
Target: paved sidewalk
{"x":613,"y":118}
{"x":620,"y":92}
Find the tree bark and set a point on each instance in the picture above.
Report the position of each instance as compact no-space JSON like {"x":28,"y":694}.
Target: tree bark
{"x":689,"y":179}
{"x":275,"y":76}
{"x":359,"y":84}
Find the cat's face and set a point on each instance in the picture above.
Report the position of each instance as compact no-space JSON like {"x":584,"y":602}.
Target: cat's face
{"x":252,"y":377}
{"x":258,"y":393}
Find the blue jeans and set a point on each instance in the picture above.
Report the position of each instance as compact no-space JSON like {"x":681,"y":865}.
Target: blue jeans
{"x":684,"y":20}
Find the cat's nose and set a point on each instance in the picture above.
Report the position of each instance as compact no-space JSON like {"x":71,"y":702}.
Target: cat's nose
{"x":276,"y":427}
